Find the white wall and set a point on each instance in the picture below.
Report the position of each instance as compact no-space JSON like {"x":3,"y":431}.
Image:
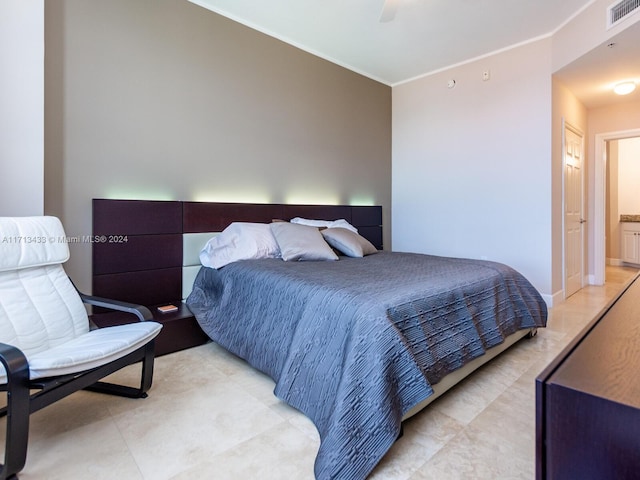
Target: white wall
{"x":629,"y":176}
{"x":471,"y":171}
{"x":447,"y":143}
{"x":21,"y":107}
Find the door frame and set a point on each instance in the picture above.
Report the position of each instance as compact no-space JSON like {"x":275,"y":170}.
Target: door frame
{"x":568,"y":126}
{"x":600,"y":199}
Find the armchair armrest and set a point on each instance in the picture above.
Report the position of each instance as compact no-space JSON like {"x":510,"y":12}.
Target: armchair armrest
{"x":15,"y":364}
{"x":139,"y":311}
{"x":142,"y":312}
{"x":17,"y":409}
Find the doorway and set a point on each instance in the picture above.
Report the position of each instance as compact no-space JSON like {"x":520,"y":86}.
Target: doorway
{"x":600,"y":198}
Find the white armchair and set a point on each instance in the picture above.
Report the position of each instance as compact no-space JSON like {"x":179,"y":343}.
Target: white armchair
{"x":47,"y":345}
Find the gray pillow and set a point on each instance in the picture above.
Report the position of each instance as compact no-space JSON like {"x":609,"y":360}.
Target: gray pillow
{"x":348,"y":242}
{"x":301,"y":242}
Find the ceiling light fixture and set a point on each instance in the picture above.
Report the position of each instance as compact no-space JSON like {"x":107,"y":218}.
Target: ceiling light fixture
{"x":624,"y":88}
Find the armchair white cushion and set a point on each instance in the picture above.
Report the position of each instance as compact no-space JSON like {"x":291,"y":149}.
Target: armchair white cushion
{"x":31,"y":242}
{"x":90,"y":350}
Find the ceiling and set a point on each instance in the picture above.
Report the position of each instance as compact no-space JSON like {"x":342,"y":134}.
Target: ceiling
{"x":592,"y":77}
{"x":426,"y":36}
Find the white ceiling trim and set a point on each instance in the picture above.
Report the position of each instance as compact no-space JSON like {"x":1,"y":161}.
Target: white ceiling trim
{"x":246,"y":23}
{"x":496,"y":52}
{"x":221,"y":11}
{"x":570,"y":19}
{"x":474,"y":59}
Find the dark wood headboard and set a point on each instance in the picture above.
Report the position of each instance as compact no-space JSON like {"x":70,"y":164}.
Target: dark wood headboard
{"x":147,"y":267}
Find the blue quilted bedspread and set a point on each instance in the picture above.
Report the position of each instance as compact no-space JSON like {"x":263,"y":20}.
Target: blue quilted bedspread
{"x":355,"y":343}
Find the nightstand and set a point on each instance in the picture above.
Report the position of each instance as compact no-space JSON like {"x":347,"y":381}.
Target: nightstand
{"x":180,"y":329}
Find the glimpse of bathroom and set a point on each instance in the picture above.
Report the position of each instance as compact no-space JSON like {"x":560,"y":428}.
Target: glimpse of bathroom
{"x":623,"y":202}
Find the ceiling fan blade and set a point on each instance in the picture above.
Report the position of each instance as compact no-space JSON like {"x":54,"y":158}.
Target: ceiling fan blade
{"x":389,"y":9}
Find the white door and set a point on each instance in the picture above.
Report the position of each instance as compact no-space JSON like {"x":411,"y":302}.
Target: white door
{"x":573,"y":211}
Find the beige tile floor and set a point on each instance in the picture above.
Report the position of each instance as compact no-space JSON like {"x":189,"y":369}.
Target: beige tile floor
{"x":210,"y":416}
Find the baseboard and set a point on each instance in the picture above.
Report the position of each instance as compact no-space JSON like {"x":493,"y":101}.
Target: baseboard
{"x":553,"y":299}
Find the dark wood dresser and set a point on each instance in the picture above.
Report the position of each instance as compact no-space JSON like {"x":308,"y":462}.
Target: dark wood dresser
{"x":588,"y":399}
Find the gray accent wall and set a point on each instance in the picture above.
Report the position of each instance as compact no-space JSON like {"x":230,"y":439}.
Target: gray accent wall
{"x":162,"y":99}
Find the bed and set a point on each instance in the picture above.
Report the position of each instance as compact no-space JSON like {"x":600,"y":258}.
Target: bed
{"x":361,"y":343}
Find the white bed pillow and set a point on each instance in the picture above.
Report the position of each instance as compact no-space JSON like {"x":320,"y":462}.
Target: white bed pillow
{"x":349,"y":243}
{"x":301,"y":242}
{"x":325,"y":223}
{"x":240,"y":241}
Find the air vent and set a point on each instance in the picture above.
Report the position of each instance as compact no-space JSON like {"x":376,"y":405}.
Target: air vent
{"x":621,"y":10}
